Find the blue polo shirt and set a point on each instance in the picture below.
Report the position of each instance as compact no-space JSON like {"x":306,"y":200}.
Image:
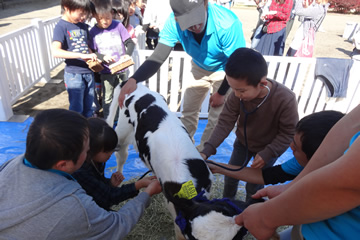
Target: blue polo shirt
{"x":344,"y":226}
{"x":223,"y":36}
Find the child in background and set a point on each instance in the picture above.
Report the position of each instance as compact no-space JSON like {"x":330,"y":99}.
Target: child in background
{"x":155,"y":16}
{"x":91,"y":21}
{"x":135,"y":15}
{"x":272,"y":39}
{"x":311,"y":15}
{"x":263,"y":111}
{"x":110,"y":39}
{"x":121,"y":13}
{"x":90,"y":176}
{"x":70,"y":41}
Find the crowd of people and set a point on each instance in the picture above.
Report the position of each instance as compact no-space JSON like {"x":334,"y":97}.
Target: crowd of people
{"x":59,"y":182}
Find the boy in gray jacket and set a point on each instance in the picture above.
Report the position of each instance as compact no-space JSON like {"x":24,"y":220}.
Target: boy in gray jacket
{"x":39,"y":198}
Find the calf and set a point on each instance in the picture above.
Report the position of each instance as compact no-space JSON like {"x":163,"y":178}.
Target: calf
{"x":167,"y":149}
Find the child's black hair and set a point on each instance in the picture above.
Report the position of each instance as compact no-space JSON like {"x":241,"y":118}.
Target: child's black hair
{"x":122,"y":7}
{"x":314,"y":128}
{"x":102,"y":6}
{"x":103,"y":138}
{"x":54,"y":135}
{"x":73,"y":5}
{"x":246,"y":64}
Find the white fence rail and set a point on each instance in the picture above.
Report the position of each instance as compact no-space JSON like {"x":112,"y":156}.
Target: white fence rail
{"x":298,"y":74}
{"x":25,"y":59}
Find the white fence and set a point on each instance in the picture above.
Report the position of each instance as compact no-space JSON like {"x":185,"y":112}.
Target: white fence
{"x":298,"y":74}
{"x":25,"y":59}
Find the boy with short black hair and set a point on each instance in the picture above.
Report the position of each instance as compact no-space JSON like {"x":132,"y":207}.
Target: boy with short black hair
{"x":112,"y":40}
{"x":264,"y":112}
{"x":70,"y":41}
{"x":106,"y":192}
{"x":310,"y":132}
{"x":41,"y":200}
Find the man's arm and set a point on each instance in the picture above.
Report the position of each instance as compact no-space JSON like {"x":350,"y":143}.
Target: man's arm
{"x":153,"y":63}
{"x":145,"y":71}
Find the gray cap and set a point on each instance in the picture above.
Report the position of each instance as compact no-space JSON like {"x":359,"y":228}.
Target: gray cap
{"x":188,"y":12}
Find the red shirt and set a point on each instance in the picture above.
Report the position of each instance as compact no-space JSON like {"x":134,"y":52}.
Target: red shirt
{"x":278,"y":21}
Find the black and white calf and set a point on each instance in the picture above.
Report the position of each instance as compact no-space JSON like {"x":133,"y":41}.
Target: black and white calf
{"x":166,"y":148}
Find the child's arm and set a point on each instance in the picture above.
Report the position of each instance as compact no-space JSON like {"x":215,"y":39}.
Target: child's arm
{"x":251,"y":175}
{"x":129,"y":45}
{"x":102,"y":192}
{"x":145,"y":182}
{"x":272,"y":175}
{"x":58,"y":52}
{"x":116,"y":179}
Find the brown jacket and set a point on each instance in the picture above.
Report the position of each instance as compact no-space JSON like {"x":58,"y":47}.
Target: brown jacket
{"x":270,"y":129}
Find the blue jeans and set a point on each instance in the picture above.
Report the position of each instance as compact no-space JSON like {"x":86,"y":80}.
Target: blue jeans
{"x":257,"y":35}
{"x":80,"y":88}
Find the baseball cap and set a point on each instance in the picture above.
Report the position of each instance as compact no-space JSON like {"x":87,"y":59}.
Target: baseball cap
{"x":188,"y":12}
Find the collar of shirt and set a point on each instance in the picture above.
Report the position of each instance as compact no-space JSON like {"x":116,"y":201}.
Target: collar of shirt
{"x":61,"y":173}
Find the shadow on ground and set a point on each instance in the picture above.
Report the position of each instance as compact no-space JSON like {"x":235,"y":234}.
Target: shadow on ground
{"x":19,"y":6}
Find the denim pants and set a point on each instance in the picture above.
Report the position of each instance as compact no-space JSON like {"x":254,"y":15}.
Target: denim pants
{"x":238,"y":158}
{"x":80,"y":88}
{"x":257,"y":35}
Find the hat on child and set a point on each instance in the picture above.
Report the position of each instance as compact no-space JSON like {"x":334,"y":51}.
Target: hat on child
{"x":188,"y":12}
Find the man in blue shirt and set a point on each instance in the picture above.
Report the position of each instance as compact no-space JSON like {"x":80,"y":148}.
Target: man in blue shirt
{"x":209,"y":34}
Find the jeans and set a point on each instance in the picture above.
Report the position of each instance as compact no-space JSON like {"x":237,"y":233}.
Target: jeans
{"x":257,"y":35}
{"x":80,"y":88}
{"x":238,"y":158}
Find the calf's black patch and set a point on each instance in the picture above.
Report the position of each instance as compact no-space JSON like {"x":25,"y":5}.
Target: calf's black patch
{"x":199,"y":171}
{"x":149,"y":118}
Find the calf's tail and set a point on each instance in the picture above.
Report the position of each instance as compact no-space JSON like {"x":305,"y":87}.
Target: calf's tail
{"x":113,"y":107}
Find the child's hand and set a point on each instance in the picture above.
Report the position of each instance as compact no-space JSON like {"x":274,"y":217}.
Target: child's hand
{"x":258,"y":162}
{"x":216,"y":100}
{"x":154,"y":187}
{"x":89,"y":56}
{"x":109,"y":59}
{"x":144,"y":182}
{"x":116,"y":179}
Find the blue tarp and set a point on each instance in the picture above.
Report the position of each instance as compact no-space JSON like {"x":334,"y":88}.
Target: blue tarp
{"x":13,"y":141}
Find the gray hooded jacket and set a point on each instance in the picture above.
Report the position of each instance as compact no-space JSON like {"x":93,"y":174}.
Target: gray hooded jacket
{"x":38,"y":204}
